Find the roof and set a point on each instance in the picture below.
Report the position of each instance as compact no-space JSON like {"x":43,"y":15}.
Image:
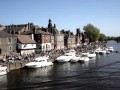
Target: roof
{"x":41,"y":32}
{"x":56,"y":31}
{"x":16,"y":29}
{"x":25,"y":39}
{"x":5,"y":34}
{"x":38,"y":31}
{"x":19,"y":25}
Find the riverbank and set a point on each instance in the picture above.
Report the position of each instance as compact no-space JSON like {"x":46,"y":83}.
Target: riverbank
{"x":18,"y":64}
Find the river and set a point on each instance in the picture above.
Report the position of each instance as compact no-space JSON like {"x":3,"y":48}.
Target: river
{"x":102,"y":73}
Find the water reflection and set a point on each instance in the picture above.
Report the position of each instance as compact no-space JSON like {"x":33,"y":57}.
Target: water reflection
{"x":28,"y":76}
{"x":3,"y":81}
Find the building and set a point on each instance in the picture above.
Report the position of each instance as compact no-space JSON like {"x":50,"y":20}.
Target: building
{"x":69,"y":39}
{"x":52,"y":42}
{"x":25,"y":44}
{"x":78,"y":37}
{"x":7,"y":43}
{"x":42,"y":38}
{"x":58,"y":37}
{"x":59,"y":41}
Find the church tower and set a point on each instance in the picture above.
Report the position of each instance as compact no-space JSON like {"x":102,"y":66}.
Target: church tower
{"x":49,"y":23}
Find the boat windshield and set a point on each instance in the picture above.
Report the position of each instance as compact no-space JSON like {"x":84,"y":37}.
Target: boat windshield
{"x":91,"y":52}
{"x":84,"y":56}
{"x":67,"y":55}
{"x":39,"y":60}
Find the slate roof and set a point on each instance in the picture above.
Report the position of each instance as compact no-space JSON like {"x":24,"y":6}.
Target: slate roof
{"x":38,"y":31}
{"x":5,"y":34}
{"x":41,"y":32}
{"x":56,"y":31}
{"x":25,"y":39}
{"x":16,"y":29}
{"x":19,"y":25}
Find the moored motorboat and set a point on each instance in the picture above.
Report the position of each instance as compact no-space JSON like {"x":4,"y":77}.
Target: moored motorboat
{"x":66,"y":57}
{"x":97,"y":50}
{"x":103,"y":51}
{"x":75,"y":58}
{"x":91,"y":54}
{"x":84,"y":58}
{"x":3,"y":70}
{"x":107,"y":51}
{"x":111,"y":49}
{"x":39,"y":62}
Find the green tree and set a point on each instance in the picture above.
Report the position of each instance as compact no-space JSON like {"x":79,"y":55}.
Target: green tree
{"x":102,"y":37}
{"x":92,"y":32}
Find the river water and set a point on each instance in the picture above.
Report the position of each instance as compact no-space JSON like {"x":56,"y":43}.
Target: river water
{"x":102,"y":73}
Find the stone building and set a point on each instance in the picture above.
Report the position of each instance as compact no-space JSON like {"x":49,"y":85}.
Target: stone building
{"x":69,"y":39}
{"x":58,"y":37}
{"x":42,"y":38}
{"x":7,"y":43}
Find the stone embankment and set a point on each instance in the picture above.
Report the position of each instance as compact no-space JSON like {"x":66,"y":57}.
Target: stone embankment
{"x":18,"y":64}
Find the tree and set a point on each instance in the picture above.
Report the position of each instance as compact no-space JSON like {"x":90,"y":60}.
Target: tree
{"x":102,"y":37}
{"x":91,"y":32}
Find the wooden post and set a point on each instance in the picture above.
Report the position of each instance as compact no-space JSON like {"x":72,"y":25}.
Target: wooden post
{"x":8,"y":66}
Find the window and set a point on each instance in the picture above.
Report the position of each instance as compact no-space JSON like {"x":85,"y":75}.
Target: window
{"x":10,"y":48}
{"x":43,"y":47}
{"x":25,"y":45}
{"x":9,"y":40}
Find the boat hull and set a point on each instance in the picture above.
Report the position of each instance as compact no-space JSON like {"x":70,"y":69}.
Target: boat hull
{"x":39,"y":65}
{"x":3,"y":70}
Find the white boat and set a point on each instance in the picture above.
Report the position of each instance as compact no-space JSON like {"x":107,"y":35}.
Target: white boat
{"x":39,"y":62}
{"x":85,"y":53}
{"x":3,"y":70}
{"x":111,"y":49}
{"x":107,"y":51}
{"x":84,"y":58}
{"x":91,"y":54}
{"x":75,"y":58}
{"x":103,"y":51}
{"x":66,"y":57}
{"x":97,"y":50}
{"x":100,"y":50}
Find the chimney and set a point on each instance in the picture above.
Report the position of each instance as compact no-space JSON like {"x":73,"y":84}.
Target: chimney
{"x":32,"y":35}
{"x":28,"y":26}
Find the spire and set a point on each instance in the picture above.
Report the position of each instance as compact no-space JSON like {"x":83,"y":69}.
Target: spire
{"x":49,"y":23}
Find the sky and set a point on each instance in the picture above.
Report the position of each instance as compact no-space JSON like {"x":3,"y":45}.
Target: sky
{"x":66,"y":14}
